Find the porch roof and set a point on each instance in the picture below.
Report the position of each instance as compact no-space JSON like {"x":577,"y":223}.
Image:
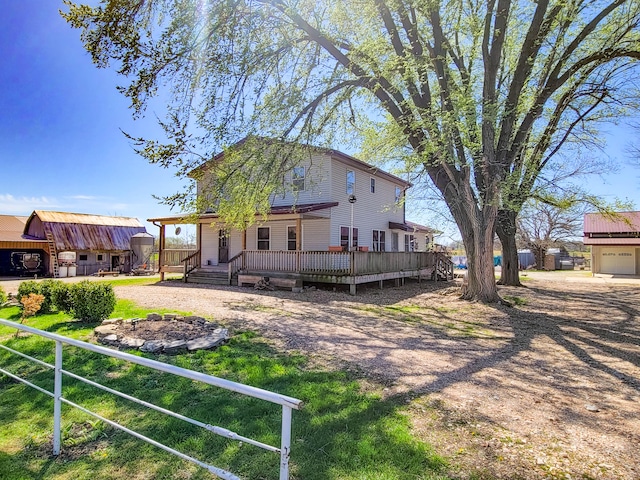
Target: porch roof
{"x":411,"y":227}
{"x":277,"y":210}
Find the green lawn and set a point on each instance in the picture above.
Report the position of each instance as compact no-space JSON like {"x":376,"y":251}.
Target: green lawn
{"x":343,"y":432}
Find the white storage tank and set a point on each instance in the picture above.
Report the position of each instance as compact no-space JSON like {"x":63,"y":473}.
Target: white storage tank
{"x":72,"y":270}
{"x":65,"y":258}
{"x":63,"y":271}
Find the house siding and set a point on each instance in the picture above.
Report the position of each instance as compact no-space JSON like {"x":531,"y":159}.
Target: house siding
{"x":372,"y":211}
{"x":317,"y":185}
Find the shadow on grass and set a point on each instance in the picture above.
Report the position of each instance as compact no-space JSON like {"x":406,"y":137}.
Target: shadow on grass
{"x":341,"y":433}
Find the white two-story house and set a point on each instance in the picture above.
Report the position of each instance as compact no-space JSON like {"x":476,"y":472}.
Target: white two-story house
{"x":333,"y":203}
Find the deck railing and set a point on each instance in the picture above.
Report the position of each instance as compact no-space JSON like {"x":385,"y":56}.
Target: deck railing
{"x":173,"y":257}
{"x":287,"y":403}
{"x":335,"y":263}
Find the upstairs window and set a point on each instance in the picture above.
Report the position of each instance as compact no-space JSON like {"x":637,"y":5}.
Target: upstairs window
{"x":379,"y":241}
{"x":298,"y":179}
{"x":351,"y":182}
{"x":373,"y":185}
{"x":398,"y":195}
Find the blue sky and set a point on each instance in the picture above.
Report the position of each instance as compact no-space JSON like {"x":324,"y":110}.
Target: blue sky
{"x":61,"y":146}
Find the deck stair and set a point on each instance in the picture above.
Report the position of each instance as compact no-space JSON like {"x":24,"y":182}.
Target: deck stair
{"x":53,"y":255}
{"x":210,"y":277}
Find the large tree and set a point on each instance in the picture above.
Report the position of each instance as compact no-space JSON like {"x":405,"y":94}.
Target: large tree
{"x":478,"y":92}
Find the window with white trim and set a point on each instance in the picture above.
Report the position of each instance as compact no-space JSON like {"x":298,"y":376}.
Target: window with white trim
{"x":409,"y":243}
{"x":298,"y":179}
{"x":291,"y":238}
{"x":379,"y":240}
{"x":264,"y":238}
{"x":395,"y":245}
{"x":351,"y":182}
{"x":344,"y":238}
{"x":398,"y":195}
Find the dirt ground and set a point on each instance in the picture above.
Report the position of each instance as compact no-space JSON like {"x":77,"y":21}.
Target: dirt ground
{"x":549,"y":388}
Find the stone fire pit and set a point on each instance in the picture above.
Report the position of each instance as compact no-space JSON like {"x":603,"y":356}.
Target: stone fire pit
{"x":168,"y":333}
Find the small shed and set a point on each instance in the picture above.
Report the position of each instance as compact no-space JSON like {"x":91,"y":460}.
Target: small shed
{"x":614,"y":241}
{"x":99,"y":242}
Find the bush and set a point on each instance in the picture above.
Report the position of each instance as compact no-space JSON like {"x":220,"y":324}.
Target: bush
{"x":61,"y":297}
{"x":92,"y":301}
{"x":3,"y":296}
{"x":46,"y":288}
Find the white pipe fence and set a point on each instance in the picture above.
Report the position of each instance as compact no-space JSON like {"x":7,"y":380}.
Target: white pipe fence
{"x":287,"y":403}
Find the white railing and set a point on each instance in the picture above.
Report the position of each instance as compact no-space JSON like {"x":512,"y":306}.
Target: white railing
{"x":287,"y":403}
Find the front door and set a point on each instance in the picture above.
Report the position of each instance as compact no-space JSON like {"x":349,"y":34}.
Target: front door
{"x":223,"y":246}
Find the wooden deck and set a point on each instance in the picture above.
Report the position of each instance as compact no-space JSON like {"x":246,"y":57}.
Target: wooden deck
{"x":341,"y":268}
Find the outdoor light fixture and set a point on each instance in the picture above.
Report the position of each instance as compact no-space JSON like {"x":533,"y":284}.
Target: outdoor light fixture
{"x":352,"y":200}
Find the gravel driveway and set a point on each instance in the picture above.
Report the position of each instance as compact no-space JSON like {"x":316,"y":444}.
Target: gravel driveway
{"x":547,"y":389}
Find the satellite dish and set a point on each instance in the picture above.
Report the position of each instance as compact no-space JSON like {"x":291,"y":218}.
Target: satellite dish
{"x":178,"y":230}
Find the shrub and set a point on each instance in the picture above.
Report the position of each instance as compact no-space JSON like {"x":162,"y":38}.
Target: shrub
{"x":31,"y":304}
{"x":46,"y":288}
{"x":61,"y":297}
{"x":3,"y":296}
{"x":92,"y":301}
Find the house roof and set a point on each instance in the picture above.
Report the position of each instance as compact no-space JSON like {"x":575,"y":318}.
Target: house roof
{"x":79,"y":231}
{"x":340,"y":156}
{"x":278,"y":210}
{"x":12,"y":229}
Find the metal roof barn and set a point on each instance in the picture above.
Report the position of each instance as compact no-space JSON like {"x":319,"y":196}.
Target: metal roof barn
{"x":78,"y":231}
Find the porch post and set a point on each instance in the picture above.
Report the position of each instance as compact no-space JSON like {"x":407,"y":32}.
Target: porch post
{"x":298,"y":241}
{"x":161,"y":251}
{"x":244,"y":239}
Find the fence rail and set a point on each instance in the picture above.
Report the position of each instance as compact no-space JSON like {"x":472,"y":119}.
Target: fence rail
{"x":287,"y":403}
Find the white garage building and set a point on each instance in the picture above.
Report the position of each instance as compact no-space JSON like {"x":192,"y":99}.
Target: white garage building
{"x":615,"y":243}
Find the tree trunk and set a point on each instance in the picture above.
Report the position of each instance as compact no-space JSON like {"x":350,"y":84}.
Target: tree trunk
{"x":506,"y":230}
{"x":477,"y":229}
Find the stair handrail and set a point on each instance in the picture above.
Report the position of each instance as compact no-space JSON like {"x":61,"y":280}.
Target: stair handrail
{"x":190,"y":267}
{"x":234,"y":265}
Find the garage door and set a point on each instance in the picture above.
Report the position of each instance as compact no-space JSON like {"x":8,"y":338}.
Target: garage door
{"x":618,"y":261}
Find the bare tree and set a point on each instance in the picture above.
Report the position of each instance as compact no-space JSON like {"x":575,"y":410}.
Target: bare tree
{"x":542,"y":226}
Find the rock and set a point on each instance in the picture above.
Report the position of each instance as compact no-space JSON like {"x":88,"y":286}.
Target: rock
{"x":592,"y":408}
{"x":152,"y":346}
{"x":175,"y":346}
{"x":154,"y":317}
{"x":104,"y":330}
{"x":112,"y":321}
{"x":540,"y":461}
{"x":204,"y":343}
{"x":169,"y":316}
{"x":109,"y":339}
{"x":194,"y":319}
{"x":180,"y":318}
{"x":296,"y":289}
{"x":131,"y":342}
